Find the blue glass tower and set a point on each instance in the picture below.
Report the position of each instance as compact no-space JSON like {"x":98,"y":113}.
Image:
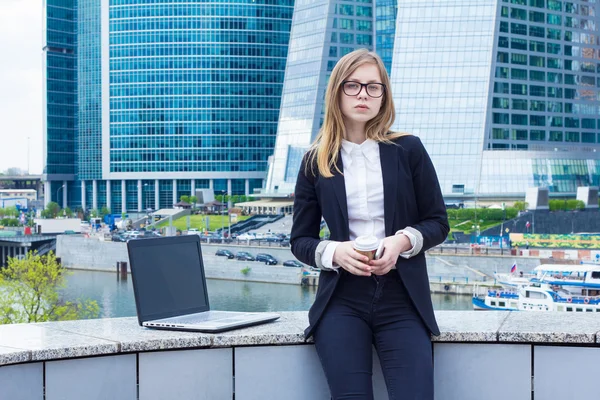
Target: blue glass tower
{"x":174,"y":97}
{"x":323,"y":31}
{"x":60,"y":102}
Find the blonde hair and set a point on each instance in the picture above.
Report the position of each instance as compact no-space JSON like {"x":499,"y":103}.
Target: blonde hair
{"x":326,"y":147}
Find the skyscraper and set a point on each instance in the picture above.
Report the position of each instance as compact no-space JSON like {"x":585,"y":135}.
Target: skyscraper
{"x":164,"y":98}
{"x":322,"y":32}
{"x":504,"y":94}
{"x":60,"y":111}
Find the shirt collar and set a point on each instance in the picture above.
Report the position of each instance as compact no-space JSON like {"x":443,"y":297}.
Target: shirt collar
{"x":369,"y":149}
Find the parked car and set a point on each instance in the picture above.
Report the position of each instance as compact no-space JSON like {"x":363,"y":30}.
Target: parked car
{"x":212,"y":236}
{"x":149,"y":235}
{"x":266,"y":258}
{"x":293,"y":263}
{"x":118,"y":238}
{"x":246,"y":236}
{"x":132,"y":234}
{"x":193,"y":231}
{"x":225,"y":253}
{"x":244,"y":256}
{"x":269,"y":237}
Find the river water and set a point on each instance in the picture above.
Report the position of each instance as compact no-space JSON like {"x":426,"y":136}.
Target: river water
{"x":115,"y":297}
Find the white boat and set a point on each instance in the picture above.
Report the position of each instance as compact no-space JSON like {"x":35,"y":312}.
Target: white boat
{"x":513,"y":281}
{"x":552,"y":287}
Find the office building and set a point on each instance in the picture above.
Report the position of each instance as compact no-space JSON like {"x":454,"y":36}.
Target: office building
{"x":148,"y":101}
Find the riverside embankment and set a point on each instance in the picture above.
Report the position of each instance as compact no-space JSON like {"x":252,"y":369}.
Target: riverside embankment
{"x":448,"y":273}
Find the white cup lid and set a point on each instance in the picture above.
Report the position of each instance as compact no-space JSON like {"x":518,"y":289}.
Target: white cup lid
{"x":366,"y":243}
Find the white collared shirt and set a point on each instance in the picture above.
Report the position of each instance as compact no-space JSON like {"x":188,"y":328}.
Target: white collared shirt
{"x":363,"y":181}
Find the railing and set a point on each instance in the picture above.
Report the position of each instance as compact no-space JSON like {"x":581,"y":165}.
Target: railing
{"x":254,"y":222}
{"x":251,"y":242}
{"x":473,"y":250}
{"x":46,"y":248}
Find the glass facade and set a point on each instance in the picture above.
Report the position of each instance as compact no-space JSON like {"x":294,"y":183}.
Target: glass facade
{"x":440,"y":79}
{"x":545,"y":92}
{"x":322,"y":32}
{"x":89,"y":121}
{"x":60,"y":139}
{"x":385,"y":23}
{"x":196,"y":86}
{"x":503,"y":95}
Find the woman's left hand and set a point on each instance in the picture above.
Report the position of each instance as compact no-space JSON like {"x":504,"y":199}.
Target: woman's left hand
{"x":392,"y":247}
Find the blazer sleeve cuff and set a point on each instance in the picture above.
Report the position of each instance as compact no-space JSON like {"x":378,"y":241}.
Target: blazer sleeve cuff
{"x":324,"y":255}
{"x":416,"y":240}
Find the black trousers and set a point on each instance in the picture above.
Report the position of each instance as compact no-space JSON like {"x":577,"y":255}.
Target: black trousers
{"x":367,"y":311}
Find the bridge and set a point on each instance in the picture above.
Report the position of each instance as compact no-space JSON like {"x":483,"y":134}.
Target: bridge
{"x":19,"y":246}
{"x":23,"y":182}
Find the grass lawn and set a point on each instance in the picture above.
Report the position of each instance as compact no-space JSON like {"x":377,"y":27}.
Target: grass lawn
{"x":466,"y":226}
{"x":199,"y":222}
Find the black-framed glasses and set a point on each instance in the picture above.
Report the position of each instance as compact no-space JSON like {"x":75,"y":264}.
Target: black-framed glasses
{"x":353,"y":88}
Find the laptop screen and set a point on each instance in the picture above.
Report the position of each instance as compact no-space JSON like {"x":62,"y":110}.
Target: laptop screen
{"x":168,"y":277}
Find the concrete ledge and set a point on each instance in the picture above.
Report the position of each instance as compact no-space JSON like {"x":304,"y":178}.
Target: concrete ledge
{"x":72,"y":339}
{"x":273,"y":361}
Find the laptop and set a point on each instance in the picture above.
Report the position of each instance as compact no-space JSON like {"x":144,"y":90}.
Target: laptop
{"x":169,"y":285}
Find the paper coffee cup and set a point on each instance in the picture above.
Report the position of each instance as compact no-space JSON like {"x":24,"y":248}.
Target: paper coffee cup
{"x":366,"y":245}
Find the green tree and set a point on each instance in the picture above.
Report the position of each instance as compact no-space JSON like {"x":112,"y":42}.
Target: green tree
{"x":521,"y":205}
{"x":9,"y":212}
{"x":31,"y":292}
{"x":52,"y":209}
{"x":193,"y":200}
{"x":13,"y":211}
{"x":185,"y":199}
{"x":104,"y":211}
{"x":67,"y":212}
{"x":9,"y":221}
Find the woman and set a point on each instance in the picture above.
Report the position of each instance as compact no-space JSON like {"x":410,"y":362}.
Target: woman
{"x":363,"y":179}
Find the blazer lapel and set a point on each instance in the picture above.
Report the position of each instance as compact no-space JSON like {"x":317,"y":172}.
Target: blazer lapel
{"x":389,"y":168}
{"x":339,"y":188}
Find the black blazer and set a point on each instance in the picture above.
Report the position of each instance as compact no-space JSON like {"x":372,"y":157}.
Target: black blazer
{"x":412,"y":197}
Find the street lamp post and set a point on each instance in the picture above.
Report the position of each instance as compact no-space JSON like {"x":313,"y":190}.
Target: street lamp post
{"x":57,"y":194}
{"x":476,"y":229}
{"x":221,"y":213}
{"x":146,"y":193}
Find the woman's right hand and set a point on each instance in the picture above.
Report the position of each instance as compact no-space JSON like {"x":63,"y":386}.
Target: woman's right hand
{"x":346,"y":257}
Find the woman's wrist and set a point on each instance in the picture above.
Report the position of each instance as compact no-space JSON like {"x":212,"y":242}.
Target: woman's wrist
{"x":403,"y":242}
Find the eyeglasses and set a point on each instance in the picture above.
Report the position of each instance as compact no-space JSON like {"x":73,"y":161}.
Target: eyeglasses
{"x":352,"y":88}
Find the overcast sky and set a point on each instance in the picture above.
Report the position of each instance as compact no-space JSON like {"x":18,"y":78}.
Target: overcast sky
{"x":21,"y":81}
